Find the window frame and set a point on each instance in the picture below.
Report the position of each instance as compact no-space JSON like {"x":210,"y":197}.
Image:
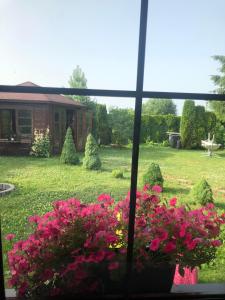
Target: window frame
{"x":138,"y":94}
{"x":18,"y":126}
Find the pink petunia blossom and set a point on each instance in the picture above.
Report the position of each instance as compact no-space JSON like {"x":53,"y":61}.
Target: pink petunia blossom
{"x":216,"y":243}
{"x":157,"y":189}
{"x":10,"y":237}
{"x":146,"y":187}
{"x":155,"y":244}
{"x":170,"y":246}
{"x":192,"y":244}
{"x":113,"y":266}
{"x":173,"y":202}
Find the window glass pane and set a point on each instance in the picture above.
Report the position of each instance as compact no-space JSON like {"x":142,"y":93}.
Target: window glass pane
{"x":100,"y":36}
{"x":24,"y":114}
{"x":182,"y":37}
{"x":5,"y":124}
{"x":25,"y":130}
{"x":24,"y":122}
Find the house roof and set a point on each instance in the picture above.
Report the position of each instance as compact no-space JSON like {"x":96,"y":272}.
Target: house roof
{"x":38,"y":98}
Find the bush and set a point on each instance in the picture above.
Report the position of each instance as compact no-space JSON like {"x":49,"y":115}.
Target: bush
{"x":41,"y":146}
{"x":220,"y":134}
{"x":165,"y":143}
{"x":69,"y":155}
{"x":102,"y":125}
{"x":153,"y":176}
{"x":155,"y":128}
{"x":202,"y":193}
{"x":117,"y":173}
{"x":200,"y":125}
{"x":121,"y":122}
{"x":210,"y":118}
{"x":91,"y":159}
{"x":187,"y":125}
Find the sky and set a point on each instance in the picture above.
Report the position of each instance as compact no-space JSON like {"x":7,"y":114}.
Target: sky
{"x":43,"y":41}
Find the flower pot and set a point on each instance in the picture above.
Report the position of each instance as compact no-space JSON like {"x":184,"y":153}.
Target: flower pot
{"x":154,"y":279}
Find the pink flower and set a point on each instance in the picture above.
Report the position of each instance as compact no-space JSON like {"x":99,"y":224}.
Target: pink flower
{"x":183,"y":228}
{"x":163,"y":235}
{"x":173,"y":202}
{"x":113,"y":266}
{"x":34,"y":219}
{"x":10,"y":237}
{"x":157,"y":189}
{"x":210,"y":206}
{"x":146,"y":187}
{"x":192,"y":244}
{"x":22,"y":289}
{"x":106,"y":199}
{"x":155,"y":244}
{"x":216,"y":243}
{"x":170,"y":246}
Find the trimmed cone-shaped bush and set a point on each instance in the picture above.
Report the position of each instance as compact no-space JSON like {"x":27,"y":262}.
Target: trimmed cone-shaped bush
{"x":91,"y":159}
{"x":69,"y":155}
{"x":202,"y":193}
{"x":153,"y":176}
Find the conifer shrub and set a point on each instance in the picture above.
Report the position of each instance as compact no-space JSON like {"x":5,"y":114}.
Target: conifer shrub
{"x":91,"y":159}
{"x":202,"y":192}
{"x":153,"y":176}
{"x":200,"y":124}
{"x":41,"y":146}
{"x":188,"y":125}
{"x":117,"y":173}
{"x":69,"y":154}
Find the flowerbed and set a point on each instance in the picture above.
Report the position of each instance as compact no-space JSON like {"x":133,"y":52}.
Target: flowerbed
{"x":82,"y":248}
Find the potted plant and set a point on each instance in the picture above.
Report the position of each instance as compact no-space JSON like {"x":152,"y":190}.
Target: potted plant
{"x":167,"y":235}
{"x":79,"y":249}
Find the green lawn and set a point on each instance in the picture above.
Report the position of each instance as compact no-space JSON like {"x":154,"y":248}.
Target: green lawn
{"x":40,"y":181}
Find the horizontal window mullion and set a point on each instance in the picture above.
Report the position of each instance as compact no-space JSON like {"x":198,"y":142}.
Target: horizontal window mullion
{"x":111,"y":93}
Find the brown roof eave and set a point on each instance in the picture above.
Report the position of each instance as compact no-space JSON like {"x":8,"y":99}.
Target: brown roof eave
{"x":32,"y":102}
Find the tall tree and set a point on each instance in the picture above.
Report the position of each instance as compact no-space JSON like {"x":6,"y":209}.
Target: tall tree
{"x":102,"y":125}
{"x":200,"y":124}
{"x":78,"y":80}
{"x":187,"y":125}
{"x":219,"y":81}
{"x":121,"y":122}
{"x":159,"y":107}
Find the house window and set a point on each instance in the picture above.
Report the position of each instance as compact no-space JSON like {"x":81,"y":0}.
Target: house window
{"x":7,"y":124}
{"x":25,"y":122}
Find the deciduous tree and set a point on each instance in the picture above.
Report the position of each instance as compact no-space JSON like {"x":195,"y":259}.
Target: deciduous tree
{"x":159,"y":107}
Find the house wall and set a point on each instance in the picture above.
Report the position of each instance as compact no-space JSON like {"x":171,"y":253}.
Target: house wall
{"x":49,"y":116}
{"x":22,"y":143}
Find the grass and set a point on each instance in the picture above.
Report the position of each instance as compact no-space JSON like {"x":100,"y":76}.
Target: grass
{"x":40,"y":181}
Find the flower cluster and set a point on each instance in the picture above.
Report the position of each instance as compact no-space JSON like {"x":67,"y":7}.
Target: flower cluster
{"x":169,"y":234}
{"x":81,"y":247}
{"x":70,"y":248}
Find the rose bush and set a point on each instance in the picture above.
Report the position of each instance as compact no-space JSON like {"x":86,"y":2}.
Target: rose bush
{"x":82,"y":247}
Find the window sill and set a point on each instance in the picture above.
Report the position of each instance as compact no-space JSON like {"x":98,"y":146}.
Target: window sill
{"x":182,"y":291}
{"x":5,"y":141}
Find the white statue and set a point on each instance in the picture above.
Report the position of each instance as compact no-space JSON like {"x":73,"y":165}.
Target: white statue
{"x":210,"y":145}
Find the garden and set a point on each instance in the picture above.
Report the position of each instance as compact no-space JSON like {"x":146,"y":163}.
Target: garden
{"x":40,"y":181}
{"x":73,"y":208}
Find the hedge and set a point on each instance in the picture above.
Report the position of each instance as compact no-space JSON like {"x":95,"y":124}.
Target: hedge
{"x":155,"y":128}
